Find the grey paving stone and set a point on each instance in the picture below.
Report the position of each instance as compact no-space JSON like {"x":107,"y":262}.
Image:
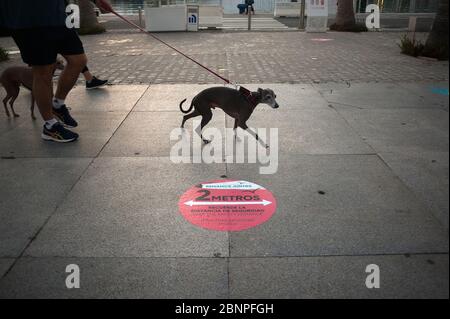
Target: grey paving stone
{"x":264,"y":57}
{"x":378,"y":95}
{"x":31,"y":191}
{"x":175,"y":278}
{"x":167,"y":97}
{"x":148,"y":133}
{"x":5,"y":263}
{"x":416,"y":276}
{"x":366,"y":209}
{"x":433,"y":93}
{"x":111,"y":98}
{"x":128,"y":207}
{"x":401,"y":130}
{"x":308,"y":131}
{"x":95,"y":129}
{"x":427,"y":175}
{"x":21,"y":106}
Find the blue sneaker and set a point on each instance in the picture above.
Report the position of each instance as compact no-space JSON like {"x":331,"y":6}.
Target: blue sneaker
{"x":63,"y":115}
{"x":59,"y":133}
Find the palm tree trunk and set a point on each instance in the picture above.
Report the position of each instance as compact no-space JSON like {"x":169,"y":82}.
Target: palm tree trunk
{"x":437,"y":42}
{"x":345,"y":16}
{"x":88,"y":18}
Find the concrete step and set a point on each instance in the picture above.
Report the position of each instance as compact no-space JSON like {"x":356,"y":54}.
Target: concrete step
{"x":257,"y":24}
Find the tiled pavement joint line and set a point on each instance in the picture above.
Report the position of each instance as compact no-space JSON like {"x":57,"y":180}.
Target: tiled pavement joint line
{"x":121,"y":123}
{"x":380,"y":157}
{"x":346,"y":121}
{"x":228,"y":278}
{"x":406,"y":254}
{"x":419,"y":198}
{"x":330,"y":104}
{"x":38,"y":157}
{"x":33,"y":238}
{"x":374,"y":108}
{"x":391,"y":170}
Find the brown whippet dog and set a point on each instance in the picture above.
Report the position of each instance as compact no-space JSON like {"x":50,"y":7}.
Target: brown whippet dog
{"x":12,"y":78}
{"x":239,"y":104}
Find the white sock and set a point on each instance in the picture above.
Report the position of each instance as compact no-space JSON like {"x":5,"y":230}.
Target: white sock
{"x":57,"y":103}
{"x":49,"y":124}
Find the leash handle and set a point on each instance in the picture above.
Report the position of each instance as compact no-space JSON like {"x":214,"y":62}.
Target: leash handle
{"x":173,"y":48}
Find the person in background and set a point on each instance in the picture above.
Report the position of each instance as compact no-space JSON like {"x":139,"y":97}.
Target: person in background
{"x":242,"y":7}
{"x":249,"y":4}
{"x":91,"y":81}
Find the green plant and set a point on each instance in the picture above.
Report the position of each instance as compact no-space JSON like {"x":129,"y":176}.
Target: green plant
{"x":410,"y":46}
{"x":3,"y":54}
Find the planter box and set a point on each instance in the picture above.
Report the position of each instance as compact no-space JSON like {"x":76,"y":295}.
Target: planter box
{"x":166,"y":18}
{"x":287,"y":9}
{"x":211,"y":16}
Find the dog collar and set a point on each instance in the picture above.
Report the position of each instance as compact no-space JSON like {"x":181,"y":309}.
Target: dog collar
{"x":249,"y":96}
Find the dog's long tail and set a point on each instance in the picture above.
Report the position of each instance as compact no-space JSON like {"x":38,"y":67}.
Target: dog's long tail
{"x":187,"y":111}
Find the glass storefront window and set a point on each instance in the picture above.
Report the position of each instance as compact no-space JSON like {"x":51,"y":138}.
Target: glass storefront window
{"x":157,"y":3}
{"x":399,"y":6}
{"x":426,"y":6}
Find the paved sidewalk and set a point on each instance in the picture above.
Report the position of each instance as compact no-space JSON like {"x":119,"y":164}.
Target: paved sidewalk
{"x":363,"y":175}
{"x":109,"y":203}
{"x":128,"y":57}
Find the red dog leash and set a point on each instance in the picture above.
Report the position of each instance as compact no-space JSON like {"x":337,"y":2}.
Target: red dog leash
{"x":175,"y":49}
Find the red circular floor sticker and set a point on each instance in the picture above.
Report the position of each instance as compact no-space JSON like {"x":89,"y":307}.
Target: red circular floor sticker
{"x":227,"y":205}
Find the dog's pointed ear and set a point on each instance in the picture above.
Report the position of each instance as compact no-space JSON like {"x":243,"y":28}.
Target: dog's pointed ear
{"x":260,"y":91}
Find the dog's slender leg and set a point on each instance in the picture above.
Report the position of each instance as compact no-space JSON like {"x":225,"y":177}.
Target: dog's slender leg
{"x":32,"y":107}
{"x":236,"y":124}
{"x":14,"y":96}
{"x":255,"y":135}
{"x":206,"y":117}
{"x":5,"y":101}
{"x":187,"y":117}
{"x":11,"y":104}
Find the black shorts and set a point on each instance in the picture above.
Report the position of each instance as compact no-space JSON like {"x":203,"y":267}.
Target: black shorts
{"x":40,"y":46}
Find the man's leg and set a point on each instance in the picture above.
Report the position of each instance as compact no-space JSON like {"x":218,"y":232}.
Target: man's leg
{"x":43,"y":90}
{"x":68,"y":78}
{"x":37,"y":49}
{"x":43,"y":93}
{"x":92,"y":82}
{"x":87,"y":74}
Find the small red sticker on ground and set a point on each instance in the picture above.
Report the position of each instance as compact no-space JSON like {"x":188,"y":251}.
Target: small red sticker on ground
{"x":227,"y":205}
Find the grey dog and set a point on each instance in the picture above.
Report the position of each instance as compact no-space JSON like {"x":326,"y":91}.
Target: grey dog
{"x":239,"y":104}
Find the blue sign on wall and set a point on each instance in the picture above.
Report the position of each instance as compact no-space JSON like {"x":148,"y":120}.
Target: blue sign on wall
{"x":192,"y":19}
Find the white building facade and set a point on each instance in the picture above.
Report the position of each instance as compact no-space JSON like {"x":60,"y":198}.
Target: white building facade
{"x":268,"y":6}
